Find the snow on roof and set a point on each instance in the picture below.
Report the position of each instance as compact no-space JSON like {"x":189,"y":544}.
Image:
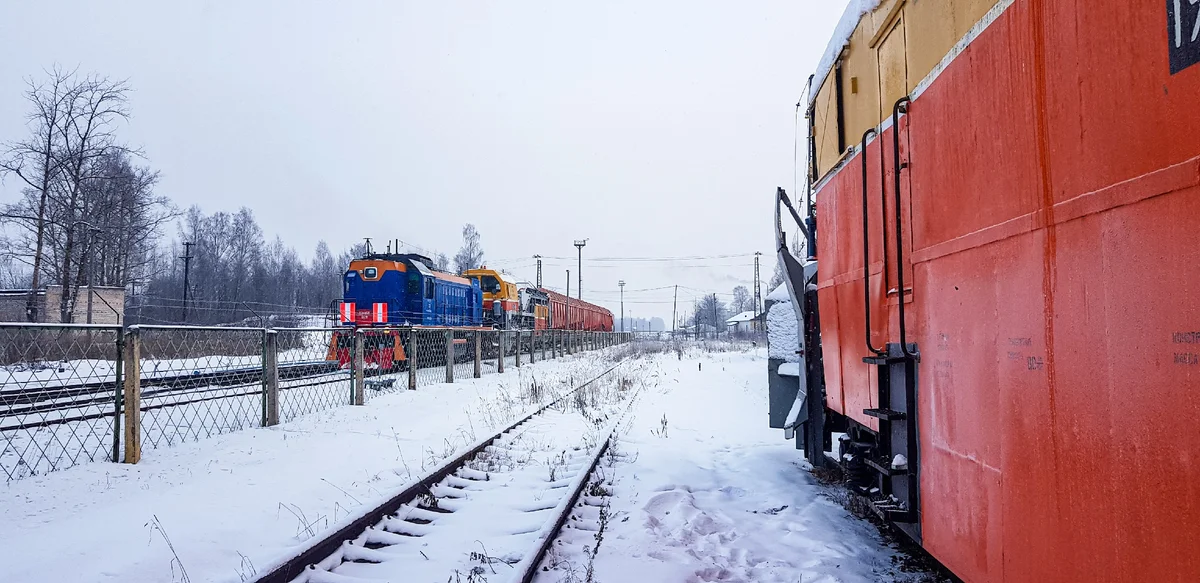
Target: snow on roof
{"x":841,"y":37}
{"x":780,"y":294}
{"x":742,"y":317}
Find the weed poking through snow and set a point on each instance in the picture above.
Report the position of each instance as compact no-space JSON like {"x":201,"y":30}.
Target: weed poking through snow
{"x":246,"y":570}
{"x":662,"y":431}
{"x":303,"y":526}
{"x":156,"y":526}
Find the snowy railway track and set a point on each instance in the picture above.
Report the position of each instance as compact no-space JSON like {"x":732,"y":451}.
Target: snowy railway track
{"x":490,"y":513}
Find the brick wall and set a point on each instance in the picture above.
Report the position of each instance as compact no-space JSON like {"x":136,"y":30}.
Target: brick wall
{"x":108,"y":305}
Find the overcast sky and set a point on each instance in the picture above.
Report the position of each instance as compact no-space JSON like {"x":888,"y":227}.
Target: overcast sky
{"x":654,"y":129}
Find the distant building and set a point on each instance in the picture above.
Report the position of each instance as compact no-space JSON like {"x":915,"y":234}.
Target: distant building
{"x":107,"y":305}
{"x":741,"y":323}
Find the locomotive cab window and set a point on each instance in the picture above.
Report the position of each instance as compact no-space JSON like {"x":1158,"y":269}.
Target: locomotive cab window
{"x":370,"y":273}
{"x":429,"y":289}
{"x":489,"y":284}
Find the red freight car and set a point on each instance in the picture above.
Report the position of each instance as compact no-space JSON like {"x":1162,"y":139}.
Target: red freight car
{"x":1008,"y":280}
{"x":583,"y":316}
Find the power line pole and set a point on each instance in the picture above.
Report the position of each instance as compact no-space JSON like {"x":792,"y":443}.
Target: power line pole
{"x":539,"y":276}
{"x":187,"y":264}
{"x":716,"y":329}
{"x":621,"y":284}
{"x":579,"y":245}
{"x":674,"y":309}
{"x":757,"y":289}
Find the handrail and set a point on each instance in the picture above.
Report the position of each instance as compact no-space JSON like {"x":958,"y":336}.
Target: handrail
{"x":901,"y":106}
{"x":867,"y":246}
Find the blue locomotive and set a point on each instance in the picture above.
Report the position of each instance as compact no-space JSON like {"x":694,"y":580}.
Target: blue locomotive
{"x":400,"y":289}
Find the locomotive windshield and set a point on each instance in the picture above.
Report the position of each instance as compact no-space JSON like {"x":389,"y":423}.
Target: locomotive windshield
{"x":489,"y":284}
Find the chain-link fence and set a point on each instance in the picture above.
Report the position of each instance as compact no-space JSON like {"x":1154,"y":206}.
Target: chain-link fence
{"x":59,"y":401}
{"x":464,"y":354}
{"x":311,"y":376}
{"x":70,"y":394}
{"x":198,"y":382}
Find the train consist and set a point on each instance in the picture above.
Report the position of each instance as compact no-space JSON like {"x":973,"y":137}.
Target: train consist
{"x":508,"y":305}
{"x":396,"y":292}
{"x":1001,"y":207}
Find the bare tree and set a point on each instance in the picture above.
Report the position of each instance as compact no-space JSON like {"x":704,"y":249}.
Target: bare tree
{"x":741,"y":300}
{"x":36,"y":162}
{"x":470,"y":256}
{"x":441,"y":262}
{"x":87,"y":135}
{"x":709,"y":311}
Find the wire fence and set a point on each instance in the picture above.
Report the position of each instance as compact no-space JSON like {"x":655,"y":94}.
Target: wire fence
{"x":58,"y":397}
{"x":310,"y":377}
{"x":72,"y":394}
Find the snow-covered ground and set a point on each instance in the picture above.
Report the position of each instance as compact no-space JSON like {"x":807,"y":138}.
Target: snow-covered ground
{"x":240,"y":501}
{"x":702,"y":489}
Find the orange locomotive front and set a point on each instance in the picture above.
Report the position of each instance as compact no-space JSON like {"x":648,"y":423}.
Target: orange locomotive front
{"x":1013,"y":188}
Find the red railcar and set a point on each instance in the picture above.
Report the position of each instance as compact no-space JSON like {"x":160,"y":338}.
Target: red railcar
{"x":582,"y":316}
{"x":1007,"y":196}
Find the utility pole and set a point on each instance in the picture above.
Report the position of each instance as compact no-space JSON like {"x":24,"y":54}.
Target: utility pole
{"x":187,"y":264}
{"x":716,"y":329}
{"x":579,"y":245}
{"x":539,"y":276}
{"x":757,"y":290}
{"x":674,"y":310}
{"x":568,"y":299}
{"x":621,"y":284}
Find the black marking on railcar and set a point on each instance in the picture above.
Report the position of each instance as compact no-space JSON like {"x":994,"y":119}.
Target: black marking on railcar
{"x":1183,"y":33}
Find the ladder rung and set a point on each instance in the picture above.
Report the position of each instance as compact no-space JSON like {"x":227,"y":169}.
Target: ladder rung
{"x":885,"y":414}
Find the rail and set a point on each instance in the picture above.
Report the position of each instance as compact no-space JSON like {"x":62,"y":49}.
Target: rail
{"x":326,"y":552}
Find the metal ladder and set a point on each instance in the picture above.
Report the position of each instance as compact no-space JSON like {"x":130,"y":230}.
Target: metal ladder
{"x":896,"y":365}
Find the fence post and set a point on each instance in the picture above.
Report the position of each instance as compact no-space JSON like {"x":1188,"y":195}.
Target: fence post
{"x":478,"y":354}
{"x":500,"y":352}
{"x":133,"y":396}
{"x":518,"y":347}
{"x":411,"y":356}
{"x":118,"y":390}
{"x":449,"y":356}
{"x":270,"y":378}
{"x":357,"y":396}
{"x":532,"y":346}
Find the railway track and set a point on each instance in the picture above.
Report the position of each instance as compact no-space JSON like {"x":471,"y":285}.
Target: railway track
{"x":230,"y":377}
{"x":491,"y":513}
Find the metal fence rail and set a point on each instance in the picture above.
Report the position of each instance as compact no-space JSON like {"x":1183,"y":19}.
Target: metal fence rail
{"x":70,"y":394}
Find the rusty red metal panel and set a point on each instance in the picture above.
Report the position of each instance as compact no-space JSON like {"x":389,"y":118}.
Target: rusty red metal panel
{"x":831,"y":348}
{"x":1055,"y":197}
{"x":1115,"y":110}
